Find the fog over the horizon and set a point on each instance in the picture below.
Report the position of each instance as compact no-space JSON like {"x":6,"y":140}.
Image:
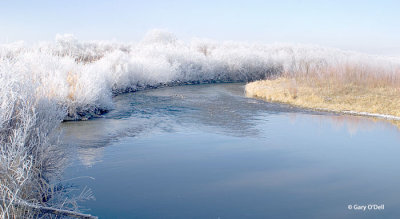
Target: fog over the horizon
{"x":365,"y":26}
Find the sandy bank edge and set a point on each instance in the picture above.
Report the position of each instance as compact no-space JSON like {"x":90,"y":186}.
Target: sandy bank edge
{"x":254,"y":93}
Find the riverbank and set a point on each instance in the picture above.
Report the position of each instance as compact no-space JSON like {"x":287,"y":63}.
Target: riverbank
{"x":348,"y":98}
{"x":252,"y":147}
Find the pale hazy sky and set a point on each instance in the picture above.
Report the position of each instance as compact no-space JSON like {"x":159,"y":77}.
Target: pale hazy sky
{"x":368,"y":26}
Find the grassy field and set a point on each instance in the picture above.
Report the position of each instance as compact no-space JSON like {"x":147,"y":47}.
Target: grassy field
{"x":363,"y":96}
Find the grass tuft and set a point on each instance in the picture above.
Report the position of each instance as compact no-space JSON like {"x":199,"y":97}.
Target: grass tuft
{"x":352,"y":90}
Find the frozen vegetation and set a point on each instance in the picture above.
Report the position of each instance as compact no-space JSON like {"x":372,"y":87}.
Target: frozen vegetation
{"x":45,"y":83}
{"x":30,"y":160}
{"x":83,"y":76}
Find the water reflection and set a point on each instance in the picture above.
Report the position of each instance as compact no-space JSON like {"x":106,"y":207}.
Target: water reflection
{"x":90,"y":155}
{"x":352,"y":124}
{"x":213,"y":152}
{"x":222,"y":108}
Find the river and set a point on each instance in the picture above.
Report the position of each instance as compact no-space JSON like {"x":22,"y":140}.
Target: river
{"x":207,"y":151}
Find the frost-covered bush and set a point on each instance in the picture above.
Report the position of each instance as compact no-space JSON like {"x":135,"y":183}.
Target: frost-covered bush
{"x":30,"y":157}
{"x":83,"y":76}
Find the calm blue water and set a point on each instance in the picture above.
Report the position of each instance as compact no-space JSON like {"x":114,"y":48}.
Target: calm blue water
{"x":206,"y":151}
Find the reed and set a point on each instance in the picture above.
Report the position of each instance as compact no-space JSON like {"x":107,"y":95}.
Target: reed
{"x":30,"y":159}
{"x":342,"y":88}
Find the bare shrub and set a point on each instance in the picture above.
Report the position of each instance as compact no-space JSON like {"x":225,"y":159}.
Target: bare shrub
{"x":30,"y":159}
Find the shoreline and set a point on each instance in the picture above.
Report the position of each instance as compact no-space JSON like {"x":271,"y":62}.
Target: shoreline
{"x":315,"y":97}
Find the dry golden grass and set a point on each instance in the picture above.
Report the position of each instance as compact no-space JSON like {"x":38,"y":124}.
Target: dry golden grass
{"x":72,"y":80}
{"x":377,"y":97}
